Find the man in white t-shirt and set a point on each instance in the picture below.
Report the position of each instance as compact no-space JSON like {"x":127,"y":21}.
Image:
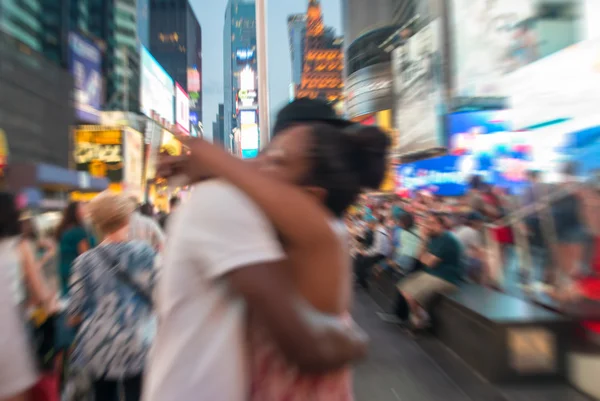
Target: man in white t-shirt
{"x":222,"y":256}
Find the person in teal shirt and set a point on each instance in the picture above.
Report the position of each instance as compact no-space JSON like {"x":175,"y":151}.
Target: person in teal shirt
{"x":397,"y":210}
{"x":441,"y":257}
{"x":73,"y":240}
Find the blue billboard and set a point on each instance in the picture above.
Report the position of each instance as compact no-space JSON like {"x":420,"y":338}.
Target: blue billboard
{"x":479,"y":143}
{"x":85,"y":62}
{"x":194,"y":118}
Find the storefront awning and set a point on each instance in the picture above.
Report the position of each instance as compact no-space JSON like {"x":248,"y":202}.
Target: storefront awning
{"x":38,"y":175}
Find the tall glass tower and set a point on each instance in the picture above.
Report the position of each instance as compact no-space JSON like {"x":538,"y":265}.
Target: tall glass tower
{"x":21,"y":19}
{"x":176,"y":43}
{"x":239,"y":36}
{"x":296,"y":34}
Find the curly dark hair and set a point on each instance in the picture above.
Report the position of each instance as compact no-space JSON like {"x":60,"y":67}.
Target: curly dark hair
{"x":345,"y":161}
{"x":9,"y":216}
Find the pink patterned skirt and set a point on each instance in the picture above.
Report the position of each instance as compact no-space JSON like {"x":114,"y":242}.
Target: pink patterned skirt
{"x":274,"y":379}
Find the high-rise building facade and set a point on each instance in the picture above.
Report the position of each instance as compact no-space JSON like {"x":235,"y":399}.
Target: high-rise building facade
{"x":218,"y":134}
{"x":57,"y":20}
{"x":176,"y":43}
{"x":115,"y":23}
{"x":239,"y":54}
{"x":22,"y":20}
{"x":296,"y":34}
{"x":323,"y":59}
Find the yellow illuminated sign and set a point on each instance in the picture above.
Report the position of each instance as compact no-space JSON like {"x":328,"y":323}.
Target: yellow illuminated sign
{"x":170,"y":144}
{"x":322,"y":82}
{"x":99,"y":150}
{"x":98,"y":147}
{"x":102,"y":137}
{"x":3,"y":151}
{"x":324,"y":55}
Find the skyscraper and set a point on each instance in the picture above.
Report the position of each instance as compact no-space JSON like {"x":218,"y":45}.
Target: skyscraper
{"x":296,"y":33}
{"x":323,"y":59}
{"x":56,"y":24}
{"x":239,"y":52}
{"x":115,"y":22}
{"x":218,"y":135}
{"x":176,"y":43}
{"x":22,"y":20}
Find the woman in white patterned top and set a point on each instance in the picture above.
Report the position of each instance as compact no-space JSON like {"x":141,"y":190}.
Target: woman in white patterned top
{"x":111,"y":302}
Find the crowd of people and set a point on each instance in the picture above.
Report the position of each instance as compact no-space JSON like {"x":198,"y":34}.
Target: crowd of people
{"x":540,"y":241}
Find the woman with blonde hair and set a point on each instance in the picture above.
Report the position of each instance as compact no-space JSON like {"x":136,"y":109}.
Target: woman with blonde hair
{"x":111,"y":302}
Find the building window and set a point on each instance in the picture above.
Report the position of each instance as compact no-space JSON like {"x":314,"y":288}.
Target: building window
{"x":168,"y":37}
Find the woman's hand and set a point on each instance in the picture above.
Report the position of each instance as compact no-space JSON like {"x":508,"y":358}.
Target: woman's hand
{"x":51,"y":305}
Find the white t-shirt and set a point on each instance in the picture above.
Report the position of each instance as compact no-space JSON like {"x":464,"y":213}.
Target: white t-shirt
{"x":144,"y":228}
{"x":469,"y":237}
{"x":17,"y":368}
{"x":199,"y":353}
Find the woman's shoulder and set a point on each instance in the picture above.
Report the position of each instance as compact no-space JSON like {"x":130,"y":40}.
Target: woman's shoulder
{"x":73,"y":233}
{"x":139,"y":252}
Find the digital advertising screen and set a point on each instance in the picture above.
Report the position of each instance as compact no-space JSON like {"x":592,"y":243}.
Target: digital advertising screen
{"x":247,"y":117}
{"x":247,"y":99}
{"x":182,"y":109}
{"x":479,"y":142}
{"x":247,"y":79}
{"x":244,"y":55}
{"x":417,"y":84}
{"x":249,"y":140}
{"x":157,"y":88}
{"x":490,"y":40}
{"x":86,"y":67}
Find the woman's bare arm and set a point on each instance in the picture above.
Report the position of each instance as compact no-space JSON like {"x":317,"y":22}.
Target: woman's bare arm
{"x":40,"y":293}
{"x":50,"y":250}
{"x":295,"y":215}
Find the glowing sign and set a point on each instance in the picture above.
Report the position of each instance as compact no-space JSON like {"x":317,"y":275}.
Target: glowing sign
{"x":182,"y":106}
{"x":244,"y":55}
{"x":247,"y":98}
{"x":249,"y":135}
{"x":247,"y":79}
{"x":247,"y":118}
{"x":315,"y":81}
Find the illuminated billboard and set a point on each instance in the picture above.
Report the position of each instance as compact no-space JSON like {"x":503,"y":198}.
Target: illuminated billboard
{"x":100,"y":152}
{"x":157,"y":88}
{"x":247,"y":79}
{"x":247,"y":117}
{"x":247,"y":99}
{"x":86,"y":66}
{"x":182,"y":109}
{"x":249,"y":133}
{"x":244,"y":56}
{"x":249,"y":140}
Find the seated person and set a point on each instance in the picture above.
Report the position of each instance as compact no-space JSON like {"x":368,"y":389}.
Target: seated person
{"x":377,"y":251}
{"x":469,"y":234}
{"x":441,"y":256}
{"x":405,"y":255}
